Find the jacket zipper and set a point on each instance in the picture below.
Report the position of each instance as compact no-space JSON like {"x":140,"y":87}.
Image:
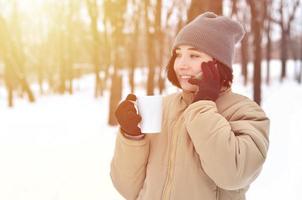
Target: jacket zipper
{"x":171,"y":165}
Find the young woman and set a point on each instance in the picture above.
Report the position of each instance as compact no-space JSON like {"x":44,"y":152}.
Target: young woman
{"x":213,"y":142}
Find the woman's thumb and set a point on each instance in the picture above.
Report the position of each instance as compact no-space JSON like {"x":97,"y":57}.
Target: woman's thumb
{"x":194,"y":81}
{"x":131,"y":97}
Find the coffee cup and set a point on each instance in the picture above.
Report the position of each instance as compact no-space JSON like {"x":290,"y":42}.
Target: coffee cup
{"x":150,"y":108}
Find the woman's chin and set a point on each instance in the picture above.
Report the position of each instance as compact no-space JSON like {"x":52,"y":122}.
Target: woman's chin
{"x":189,"y":88}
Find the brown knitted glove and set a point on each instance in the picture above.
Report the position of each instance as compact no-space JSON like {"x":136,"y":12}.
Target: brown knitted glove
{"x":209,"y":85}
{"x":127,"y":116}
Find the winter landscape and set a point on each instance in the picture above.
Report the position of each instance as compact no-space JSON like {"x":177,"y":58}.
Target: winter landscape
{"x":64,"y":66}
{"x":60,"y":147}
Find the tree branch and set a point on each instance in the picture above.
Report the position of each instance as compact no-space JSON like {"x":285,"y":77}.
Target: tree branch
{"x":292,"y":16}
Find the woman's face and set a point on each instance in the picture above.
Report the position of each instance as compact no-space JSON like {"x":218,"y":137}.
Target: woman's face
{"x":188,"y":65}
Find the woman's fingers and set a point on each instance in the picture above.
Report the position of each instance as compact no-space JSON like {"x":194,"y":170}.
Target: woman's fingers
{"x":206,"y":69}
{"x":215,"y":73}
{"x":133,"y":117}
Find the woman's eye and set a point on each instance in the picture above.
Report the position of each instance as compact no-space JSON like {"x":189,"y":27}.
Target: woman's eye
{"x":194,"y":56}
{"x":178,"y":54}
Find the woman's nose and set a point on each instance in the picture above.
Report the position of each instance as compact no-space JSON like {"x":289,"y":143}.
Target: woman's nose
{"x":183,"y":62}
{"x":183,"y":67}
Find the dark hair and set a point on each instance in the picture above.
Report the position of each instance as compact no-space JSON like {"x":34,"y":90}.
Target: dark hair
{"x":226,"y":74}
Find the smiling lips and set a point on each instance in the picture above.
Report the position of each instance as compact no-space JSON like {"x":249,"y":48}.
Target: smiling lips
{"x":186,"y":76}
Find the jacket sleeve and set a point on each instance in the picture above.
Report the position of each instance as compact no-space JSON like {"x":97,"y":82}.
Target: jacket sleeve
{"x":128,"y":166}
{"x":231,"y":152}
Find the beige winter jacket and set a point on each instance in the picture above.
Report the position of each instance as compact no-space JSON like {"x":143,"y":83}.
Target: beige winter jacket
{"x":206,"y":150}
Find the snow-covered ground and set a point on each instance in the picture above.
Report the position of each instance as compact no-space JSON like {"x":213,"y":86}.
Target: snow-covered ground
{"x":60,"y":148}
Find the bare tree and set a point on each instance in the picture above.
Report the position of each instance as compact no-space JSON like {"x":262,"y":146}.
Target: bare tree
{"x":14,"y":56}
{"x":93,"y":12}
{"x":240,"y":12}
{"x":150,"y":37}
{"x":285,"y":31}
{"x":133,"y":56}
{"x":258,"y":13}
{"x":52,"y":62}
{"x":117,"y":22}
{"x":58,"y":65}
{"x":300,"y":52}
{"x":155,"y":39}
{"x":4,"y":53}
{"x":61,"y":46}
{"x":245,"y":57}
{"x":159,"y":36}
{"x":108,"y":43}
{"x":133,"y":44}
{"x":73,"y":8}
{"x":164,"y":38}
{"x":19,"y":55}
{"x":268,"y":40}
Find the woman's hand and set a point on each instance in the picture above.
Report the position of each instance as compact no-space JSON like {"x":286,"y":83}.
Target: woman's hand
{"x":209,"y":85}
{"x":127,"y":117}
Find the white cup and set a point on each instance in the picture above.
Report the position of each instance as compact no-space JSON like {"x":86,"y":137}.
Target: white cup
{"x":150,"y":109}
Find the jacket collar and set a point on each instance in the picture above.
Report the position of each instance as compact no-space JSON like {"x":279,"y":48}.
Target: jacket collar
{"x":187,"y":97}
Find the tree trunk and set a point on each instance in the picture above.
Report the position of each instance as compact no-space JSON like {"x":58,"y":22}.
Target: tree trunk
{"x":160,"y":44}
{"x":62,"y":51}
{"x":133,"y":61}
{"x":27,"y":89}
{"x":244,"y":58}
{"x":8,"y":77}
{"x":268,"y":51}
{"x":257,"y":65}
{"x":116,"y":89}
{"x":198,"y":7}
{"x":96,"y":60}
{"x":257,"y":15}
{"x":117,"y":23}
{"x":14,"y":56}
{"x":4,"y":51}
{"x":300,"y":60}
{"x":107,"y":59}
{"x":216,"y":6}
{"x":40,"y":76}
{"x":300,"y":74}
{"x":149,"y":52}
{"x":70,"y":45}
{"x":285,"y":32}
{"x":131,"y":78}
{"x":62,"y":85}
{"x":151,"y":67}
{"x":133,"y":53}
{"x":115,"y":97}
{"x":283,"y":55}
{"x":10,"y":97}
{"x":93,"y":14}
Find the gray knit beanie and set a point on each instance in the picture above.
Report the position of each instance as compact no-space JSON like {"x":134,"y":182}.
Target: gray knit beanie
{"x":212,"y":34}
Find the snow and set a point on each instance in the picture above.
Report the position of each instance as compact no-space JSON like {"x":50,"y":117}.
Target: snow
{"x":60,"y":148}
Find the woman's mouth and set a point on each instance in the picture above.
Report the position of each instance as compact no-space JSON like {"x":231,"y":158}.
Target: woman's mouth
{"x":185,"y":77}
